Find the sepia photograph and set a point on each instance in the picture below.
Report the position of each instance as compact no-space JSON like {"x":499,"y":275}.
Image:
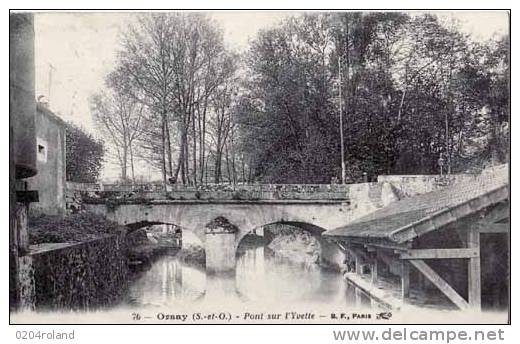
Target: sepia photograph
{"x":259,"y":167}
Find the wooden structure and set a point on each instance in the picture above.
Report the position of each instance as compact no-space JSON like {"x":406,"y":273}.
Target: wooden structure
{"x":436,"y":238}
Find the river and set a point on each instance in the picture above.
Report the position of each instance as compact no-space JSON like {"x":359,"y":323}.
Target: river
{"x":261,"y":280}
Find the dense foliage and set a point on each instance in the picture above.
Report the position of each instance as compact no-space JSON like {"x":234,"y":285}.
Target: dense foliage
{"x":71,"y":228}
{"x":84,"y":155}
{"x":413,"y":90}
{"x":415,"y":93}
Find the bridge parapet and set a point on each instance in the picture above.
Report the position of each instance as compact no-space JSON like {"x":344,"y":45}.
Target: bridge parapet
{"x":144,"y":192}
{"x":151,"y":187}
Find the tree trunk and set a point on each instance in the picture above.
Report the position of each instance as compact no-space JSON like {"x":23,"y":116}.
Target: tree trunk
{"x":163,"y":149}
{"x":132,"y":163}
{"x":202,"y":138}
{"x":201,"y":158}
{"x":181,"y":155}
{"x":204,"y":145}
{"x":124,"y":164}
{"x":250,"y":175}
{"x":206,"y":169}
{"x":168,"y":150}
{"x":401,"y":105}
{"x":218,"y":172}
{"x":243,"y":170}
{"x":233,"y":158}
{"x":177,"y":169}
{"x":194,"y":149}
{"x":187,"y":157}
{"x":227,"y":165}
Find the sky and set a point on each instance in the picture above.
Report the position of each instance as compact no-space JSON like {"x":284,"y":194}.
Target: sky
{"x":75,"y":51}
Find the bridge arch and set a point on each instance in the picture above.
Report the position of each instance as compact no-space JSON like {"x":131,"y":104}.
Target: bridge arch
{"x":313,"y":229}
{"x":145,"y":223}
{"x":331,"y":256}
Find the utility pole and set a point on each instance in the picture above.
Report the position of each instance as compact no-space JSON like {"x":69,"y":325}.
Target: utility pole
{"x":343,"y":174}
{"x":446,"y":120}
{"x":448,"y":153}
{"x":51,"y":69}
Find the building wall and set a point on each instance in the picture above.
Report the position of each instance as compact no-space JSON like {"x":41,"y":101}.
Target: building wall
{"x":50,"y":163}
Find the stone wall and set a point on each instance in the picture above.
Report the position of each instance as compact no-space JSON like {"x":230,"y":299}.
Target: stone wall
{"x":150,"y":187}
{"x":80,"y":276}
{"x":366,"y":198}
{"x":209,"y":192}
{"x":411,"y":185}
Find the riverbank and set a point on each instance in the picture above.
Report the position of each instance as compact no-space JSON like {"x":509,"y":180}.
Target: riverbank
{"x":192,"y":255}
{"x":143,"y":249}
{"x":296,"y":245}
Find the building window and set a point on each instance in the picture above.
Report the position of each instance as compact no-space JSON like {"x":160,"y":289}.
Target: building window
{"x":41,"y":150}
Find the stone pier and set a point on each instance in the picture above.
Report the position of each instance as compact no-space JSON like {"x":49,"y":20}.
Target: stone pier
{"x":220,"y":246}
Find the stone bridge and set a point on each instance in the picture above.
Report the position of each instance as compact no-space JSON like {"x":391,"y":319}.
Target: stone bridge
{"x":315,"y":208}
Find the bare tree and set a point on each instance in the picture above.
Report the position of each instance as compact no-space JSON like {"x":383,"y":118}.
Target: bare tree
{"x":145,"y":70}
{"x":222,"y":123}
{"x":120,"y":120}
{"x":172,"y":63}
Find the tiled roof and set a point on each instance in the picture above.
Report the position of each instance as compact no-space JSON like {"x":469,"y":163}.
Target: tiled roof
{"x":386,"y":222}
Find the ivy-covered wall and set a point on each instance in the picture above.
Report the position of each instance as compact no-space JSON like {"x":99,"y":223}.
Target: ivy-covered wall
{"x":80,"y":276}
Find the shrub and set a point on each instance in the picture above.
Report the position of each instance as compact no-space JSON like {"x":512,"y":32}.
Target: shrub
{"x":71,"y":228}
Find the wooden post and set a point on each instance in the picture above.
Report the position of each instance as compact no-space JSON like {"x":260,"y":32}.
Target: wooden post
{"x":373,"y":270}
{"x":373,"y":303}
{"x":350,"y":291}
{"x":359,"y":297}
{"x":359,"y":265}
{"x":474,"y":292}
{"x":405,"y":280}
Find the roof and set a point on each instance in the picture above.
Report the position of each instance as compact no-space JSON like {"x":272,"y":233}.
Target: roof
{"x":411,"y":217}
{"x":41,"y":108}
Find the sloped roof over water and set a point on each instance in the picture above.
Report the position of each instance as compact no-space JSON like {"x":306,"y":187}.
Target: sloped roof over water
{"x":411,"y":217}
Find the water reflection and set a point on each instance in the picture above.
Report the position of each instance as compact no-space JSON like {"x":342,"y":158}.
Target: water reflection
{"x":166,"y":282}
{"x":263,"y":276}
{"x":260,"y":277}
